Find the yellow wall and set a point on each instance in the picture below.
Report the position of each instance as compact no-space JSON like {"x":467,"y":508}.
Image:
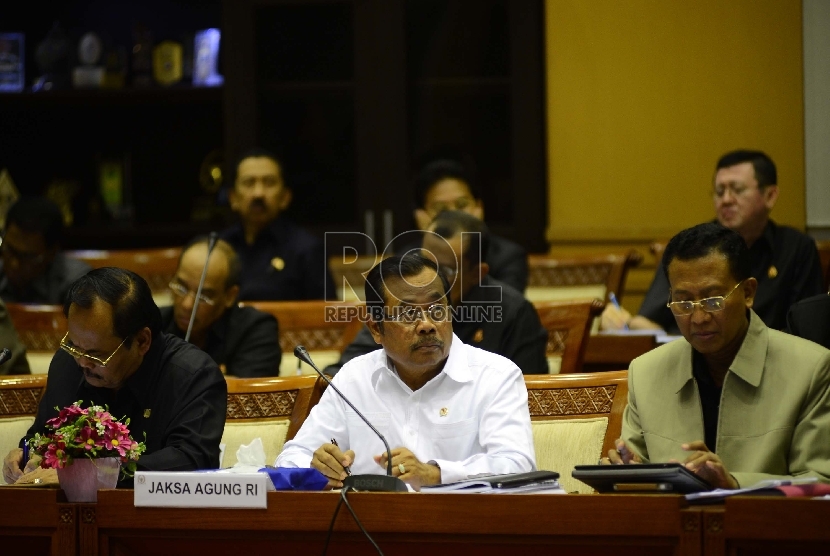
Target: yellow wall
{"x":644,"y":95}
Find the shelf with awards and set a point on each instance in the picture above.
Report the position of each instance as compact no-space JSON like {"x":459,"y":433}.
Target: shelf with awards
{"x":127,"y":95}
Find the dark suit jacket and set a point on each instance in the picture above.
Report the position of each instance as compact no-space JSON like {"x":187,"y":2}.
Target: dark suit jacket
{"x":810,"y":319}
{"x":243,"y":339}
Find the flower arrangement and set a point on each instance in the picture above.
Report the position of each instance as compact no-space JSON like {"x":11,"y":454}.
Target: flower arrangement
{"x":91,"y":433}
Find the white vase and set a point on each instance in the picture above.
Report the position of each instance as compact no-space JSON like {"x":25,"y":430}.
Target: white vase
{"x":83,"y":477}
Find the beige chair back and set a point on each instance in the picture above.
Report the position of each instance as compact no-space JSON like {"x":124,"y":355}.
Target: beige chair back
{"x":272,"y":409}
{"x":575,"y":420}
{"x":19,"y":399}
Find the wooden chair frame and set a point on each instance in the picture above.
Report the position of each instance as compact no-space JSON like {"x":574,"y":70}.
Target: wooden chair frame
{"x":569,"y":326}
{"x":40,"y":327}
{"x":609,"y":270}
{"x":20,"y":395}
{"x":156,"y":265}
{"x":578,"y":395}
{"x":253,"y":399}
{"x":317,"y":325}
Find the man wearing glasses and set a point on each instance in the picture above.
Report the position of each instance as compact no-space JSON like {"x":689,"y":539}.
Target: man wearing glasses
{"x":114,"y":353}
{"x":447,"y":409}
{"x":737,"y":402}
{"x":32,"y":268}
{"x":242,"y":340}
{"x":784,"y":261}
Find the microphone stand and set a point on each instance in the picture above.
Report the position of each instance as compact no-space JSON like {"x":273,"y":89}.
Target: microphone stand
{"x":211,"y":244}
{"x":373,"y":483}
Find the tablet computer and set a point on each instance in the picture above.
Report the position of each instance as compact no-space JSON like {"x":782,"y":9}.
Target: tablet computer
{"x":645,"y":477}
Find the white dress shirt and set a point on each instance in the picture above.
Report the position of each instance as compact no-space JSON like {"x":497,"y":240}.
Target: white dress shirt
{"x":472,"y":418}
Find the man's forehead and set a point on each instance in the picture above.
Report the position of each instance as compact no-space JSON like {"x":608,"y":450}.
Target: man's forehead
{"x":19,"y":237}
{"x":258,"y":165}
{"x":448,"y":189}
{"x":743,"y":171}
{"x":193,"y":261}
{"x":424,"y":287}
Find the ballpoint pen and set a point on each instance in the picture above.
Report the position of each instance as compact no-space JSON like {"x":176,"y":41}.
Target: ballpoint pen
{"x":25,"y":454}
{"x":346,"y":468}
{"x":613,"y":299}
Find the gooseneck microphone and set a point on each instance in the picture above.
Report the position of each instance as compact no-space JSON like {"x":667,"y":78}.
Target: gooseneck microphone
{"x":5,"y":355}
{"x":211,"y":244}
{"x":375,"y":483}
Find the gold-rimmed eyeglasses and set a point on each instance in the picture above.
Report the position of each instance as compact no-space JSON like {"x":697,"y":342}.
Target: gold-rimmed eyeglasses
{"x":710,"y":304}
{"x":411,"y":315}
{"x":78,"y":354}
{"x":180,"y":290}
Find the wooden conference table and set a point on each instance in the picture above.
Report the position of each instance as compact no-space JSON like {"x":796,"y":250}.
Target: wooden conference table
{"x":37,"y":522}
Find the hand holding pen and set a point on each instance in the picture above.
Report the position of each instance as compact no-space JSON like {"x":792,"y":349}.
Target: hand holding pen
{"x":346,"y":468}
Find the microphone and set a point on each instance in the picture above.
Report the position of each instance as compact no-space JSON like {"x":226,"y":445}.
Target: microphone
{"x":211,"y":244}
{"x":374,"y":483}
{"x":5,"y":355}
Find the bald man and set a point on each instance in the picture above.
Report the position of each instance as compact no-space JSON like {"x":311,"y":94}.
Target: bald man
{"x":242,"y":340}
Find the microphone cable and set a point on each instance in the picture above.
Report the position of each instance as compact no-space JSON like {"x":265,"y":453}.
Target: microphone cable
{"x":344,"y":499}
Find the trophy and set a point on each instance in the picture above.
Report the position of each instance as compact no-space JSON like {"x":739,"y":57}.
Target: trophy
{"x":167,"y":63}
{"x":89,"y":74}
{"x":206,"y":58}
{"x":52,"y":59}
{"x":11,"y":62}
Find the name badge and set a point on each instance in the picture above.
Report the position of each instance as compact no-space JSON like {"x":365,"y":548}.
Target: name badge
{"x":200,"y":490}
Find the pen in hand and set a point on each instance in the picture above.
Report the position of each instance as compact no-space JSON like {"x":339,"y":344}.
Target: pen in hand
{"x":25,"y":459}
{"x":613,"y":299}
{"x":345,"y":467}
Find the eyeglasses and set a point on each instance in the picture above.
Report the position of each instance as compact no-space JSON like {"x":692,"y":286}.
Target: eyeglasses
{"x":737,"y":189}
{"x":22,"y":257}
{"x":411,"y":315}
{"x":459,"y":204}
{"x":710,"y":304}
{"x":78,"y":354}
{"x":180,"y":290}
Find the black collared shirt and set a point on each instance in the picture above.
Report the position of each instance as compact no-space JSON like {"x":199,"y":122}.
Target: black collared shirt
{"x":784,"y":261}
{"x":284,"y":263}
{"x":495,"y":318}
{"x":710,"y":394}
{"x":178,"y":397}
{"x":244,"y":339}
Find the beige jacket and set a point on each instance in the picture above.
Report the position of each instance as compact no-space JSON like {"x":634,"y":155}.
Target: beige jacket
{"x":774,"y":412}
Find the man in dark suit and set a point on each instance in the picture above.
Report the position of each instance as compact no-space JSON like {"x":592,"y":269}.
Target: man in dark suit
{"x":242,"y":340}
{"x":446,"y":185}
{"x":810,"y":319}
{"x":486,"y":313}
{"x":280,"y":261}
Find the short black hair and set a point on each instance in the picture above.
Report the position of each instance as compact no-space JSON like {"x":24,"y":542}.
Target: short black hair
{"x":226,"y":249}
{"x":765,"y":171}
{"x":450,"y":223}
{"x":703,"y":239}
{"x":133,"y":307}
{"x":37,"y":215}
{"x":404,"y":266}
{"x":254,"y":152}
{"x":439,"y":170}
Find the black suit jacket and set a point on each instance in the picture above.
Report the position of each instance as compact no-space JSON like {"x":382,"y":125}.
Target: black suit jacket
{"x":810,"y":319}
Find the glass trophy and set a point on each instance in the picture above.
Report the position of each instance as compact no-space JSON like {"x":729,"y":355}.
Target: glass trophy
{"x":206,"y":59}
{"x":89,"y":73}
{"x":11,"y":62}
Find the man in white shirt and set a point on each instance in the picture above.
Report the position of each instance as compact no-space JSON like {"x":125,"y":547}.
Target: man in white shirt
{"x":449,"y":410}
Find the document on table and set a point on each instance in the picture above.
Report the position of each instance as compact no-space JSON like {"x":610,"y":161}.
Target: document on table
{"x":720,"y":493}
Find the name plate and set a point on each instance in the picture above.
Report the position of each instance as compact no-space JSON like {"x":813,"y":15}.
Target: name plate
{"x":200,"y":490}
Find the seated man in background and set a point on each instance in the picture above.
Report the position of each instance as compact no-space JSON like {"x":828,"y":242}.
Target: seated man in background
{"x":784,"y":261}
{"x":243,"y":340}
{"x":115,"y":354}
{"x":736,"y":402}
{"x":446,"y":185}
{"x":279,"y":260}
{"x":17,"y":363}
{"x":32,"y":268}
{"x":810,"y":319}
{"x":459,"y":244}
{"x":449,"y":410}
